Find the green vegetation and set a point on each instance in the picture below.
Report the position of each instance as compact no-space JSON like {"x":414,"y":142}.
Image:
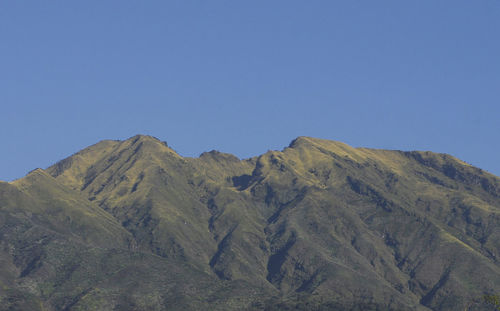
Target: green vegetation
{"x":131,"y":225}
{"x":493,"y":300}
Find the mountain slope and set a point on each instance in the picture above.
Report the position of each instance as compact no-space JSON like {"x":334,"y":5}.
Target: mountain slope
{"x":318,"y":225}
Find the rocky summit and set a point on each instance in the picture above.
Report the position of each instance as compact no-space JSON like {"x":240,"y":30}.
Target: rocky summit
{"x":132,"y":225}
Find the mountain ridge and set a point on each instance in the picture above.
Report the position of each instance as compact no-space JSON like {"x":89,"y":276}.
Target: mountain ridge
{"x":318,"y":225}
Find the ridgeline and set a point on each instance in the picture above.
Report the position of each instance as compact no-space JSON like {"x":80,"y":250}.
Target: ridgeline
{"x":132,"y":225}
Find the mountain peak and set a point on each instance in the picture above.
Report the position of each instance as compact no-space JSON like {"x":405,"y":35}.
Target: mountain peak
{"x":300,"y":141}
{"x":148,"y":140}
{"x":142,"y":137}
{"x":35,"y":174}
{"x":289,"y":228}
{"x":217,"y":155}
{"x":306,"y":141}
{"x":37,"y":171}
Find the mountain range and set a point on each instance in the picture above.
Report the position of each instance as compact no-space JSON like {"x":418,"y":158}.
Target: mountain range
{"x":319,"y":225}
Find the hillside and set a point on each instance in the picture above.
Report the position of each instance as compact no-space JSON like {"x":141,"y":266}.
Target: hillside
{"x":132,"y":225}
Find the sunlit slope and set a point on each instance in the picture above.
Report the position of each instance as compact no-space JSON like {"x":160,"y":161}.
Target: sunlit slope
{"x":144,"y":185}
{"x":317,"y":225}
{"x":43,"y":226}
{"x":427,"y":224}
{"x":65,"y":211}
{"x":60,"y":251}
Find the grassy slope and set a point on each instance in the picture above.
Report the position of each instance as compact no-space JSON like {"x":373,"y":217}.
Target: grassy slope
{"x":317,"y":225}
{"x":60,"y":251}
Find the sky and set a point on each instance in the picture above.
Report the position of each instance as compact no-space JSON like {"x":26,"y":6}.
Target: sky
{"x":245,"y":77}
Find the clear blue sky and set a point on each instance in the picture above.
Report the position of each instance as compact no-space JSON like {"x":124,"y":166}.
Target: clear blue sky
{"x":247,"y":76}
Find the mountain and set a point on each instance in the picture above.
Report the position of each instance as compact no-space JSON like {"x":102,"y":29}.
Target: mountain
{"x":132,"y":225}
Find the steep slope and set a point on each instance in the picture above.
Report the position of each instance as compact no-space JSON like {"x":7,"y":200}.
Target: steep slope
{"x":144,"y":185}
{"x":60,"y":251}
{"x":43,"y":225}
{"x":374,"y":211}
{"x":318,"y":225}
